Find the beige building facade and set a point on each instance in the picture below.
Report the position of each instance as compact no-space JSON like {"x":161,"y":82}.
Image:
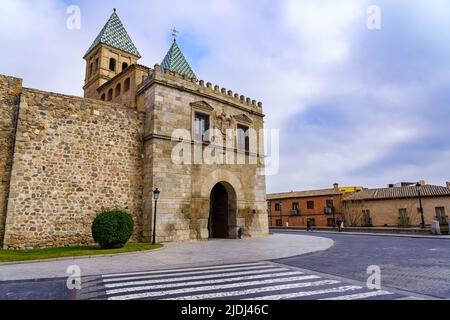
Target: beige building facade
{"x":398,"y":207}
{"x":65,"y":159}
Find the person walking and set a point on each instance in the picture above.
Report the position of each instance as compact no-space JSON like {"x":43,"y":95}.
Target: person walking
{"x":339,"y":224}
{"x":309,"y":226}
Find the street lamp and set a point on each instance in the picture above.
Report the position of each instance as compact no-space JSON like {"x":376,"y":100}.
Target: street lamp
{"x":156,"y":193}
{"x":419,"y":193}
{"x":333,"y":210}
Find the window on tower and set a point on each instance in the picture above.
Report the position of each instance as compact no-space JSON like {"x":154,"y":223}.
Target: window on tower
{"x":118,"y":90}
{"x":124,"y":66}
{"x":110,"y":94}
{"x":112,"y":64}
{"x":126,"y":85}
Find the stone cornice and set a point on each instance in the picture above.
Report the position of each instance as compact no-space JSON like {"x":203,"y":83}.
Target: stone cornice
{"x":152,"y":81}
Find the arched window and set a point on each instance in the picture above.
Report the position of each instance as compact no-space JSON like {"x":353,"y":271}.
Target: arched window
{"x":124,"y":66}
{"x":112,"y":64}
{"x":110,"y":94}
{"x":96,"y":64}
{"x":126,"y":85}
{"x":103,"y":97}
{"x":118,"y":89}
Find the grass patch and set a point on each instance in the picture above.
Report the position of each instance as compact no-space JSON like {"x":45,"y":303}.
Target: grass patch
{"x":52,"y":253}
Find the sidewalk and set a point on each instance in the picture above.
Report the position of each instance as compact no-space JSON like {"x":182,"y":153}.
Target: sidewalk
{"x":398,"y":235}
{"x":176,"y":255}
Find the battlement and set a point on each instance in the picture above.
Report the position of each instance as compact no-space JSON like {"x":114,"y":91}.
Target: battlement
{"x":200,"y":86}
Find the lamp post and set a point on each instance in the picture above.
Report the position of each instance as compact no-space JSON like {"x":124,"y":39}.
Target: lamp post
{"x":156,"y":193}
{"x":281,"y":213}
{"x":333,"y":210}
{"x":419,"y":193}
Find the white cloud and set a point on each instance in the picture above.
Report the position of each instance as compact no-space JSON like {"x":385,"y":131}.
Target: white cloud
{"x":294,"y":55}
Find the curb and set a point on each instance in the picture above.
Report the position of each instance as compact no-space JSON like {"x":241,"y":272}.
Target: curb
{"x":319,"y":232}
{"x":78,"y":258}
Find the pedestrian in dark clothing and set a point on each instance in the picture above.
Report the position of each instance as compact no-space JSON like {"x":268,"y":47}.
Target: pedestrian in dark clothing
{"x":309,"y":226}
{"x":339,"y":224}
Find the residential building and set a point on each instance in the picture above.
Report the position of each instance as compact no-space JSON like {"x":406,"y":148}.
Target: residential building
{"x":294,"y":209}
{"x":398,"y":206}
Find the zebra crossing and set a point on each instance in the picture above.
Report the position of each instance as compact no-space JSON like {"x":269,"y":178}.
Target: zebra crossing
{"x":244,"y":281}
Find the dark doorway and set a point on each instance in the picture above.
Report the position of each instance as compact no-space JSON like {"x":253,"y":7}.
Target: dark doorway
{"x":218,"y":224}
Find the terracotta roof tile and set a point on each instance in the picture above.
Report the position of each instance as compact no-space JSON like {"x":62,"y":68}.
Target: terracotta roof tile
{"x":397,"y":193}
{"x":304,"y":194}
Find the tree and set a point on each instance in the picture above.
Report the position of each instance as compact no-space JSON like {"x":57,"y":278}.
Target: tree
{"x":409,"y":215}
{"x":353,"y":213}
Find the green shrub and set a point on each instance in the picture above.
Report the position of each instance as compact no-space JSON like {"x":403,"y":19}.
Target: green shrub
{"x":112,"y":229}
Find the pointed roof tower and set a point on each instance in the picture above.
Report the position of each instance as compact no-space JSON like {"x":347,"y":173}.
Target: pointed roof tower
{"x":176,"y":62}
{"x":114,"y":34}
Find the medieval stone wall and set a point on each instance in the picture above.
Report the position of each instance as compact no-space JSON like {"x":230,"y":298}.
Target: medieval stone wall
{"x":74,"y":157}
{"x":10,"y":89}
{"x":184,"y":207}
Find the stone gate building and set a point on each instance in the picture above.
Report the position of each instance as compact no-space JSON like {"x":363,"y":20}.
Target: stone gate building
{"x":64,"y":159}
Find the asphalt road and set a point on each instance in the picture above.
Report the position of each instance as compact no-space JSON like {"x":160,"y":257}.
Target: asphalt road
{"x":416,"y":265}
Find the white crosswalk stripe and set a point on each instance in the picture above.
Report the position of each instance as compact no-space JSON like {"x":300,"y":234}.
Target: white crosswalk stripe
{"x":361,"y":295}
{"x":153,"y":276}
{"x":301,"y":294}
{"x":249,"y":275}
{"x":246,"y":281}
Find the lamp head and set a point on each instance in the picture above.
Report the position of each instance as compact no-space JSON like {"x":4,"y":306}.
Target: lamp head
{"x":418,"y":186}
{"x":156,"y":194}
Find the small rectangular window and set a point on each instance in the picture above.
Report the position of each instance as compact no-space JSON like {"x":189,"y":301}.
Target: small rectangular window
{"x":405,"y":219}
{"x":295,"y":206}
{"x":243,"y":138}
{"x":277,"y":207}
{"x":310,"y":205}
{"x":201,"y":127}
{"x":440,"y":215}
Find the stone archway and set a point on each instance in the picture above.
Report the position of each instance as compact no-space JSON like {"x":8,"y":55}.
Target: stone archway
{"x":223,"y":212}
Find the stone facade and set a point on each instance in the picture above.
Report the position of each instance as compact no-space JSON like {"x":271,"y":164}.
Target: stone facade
{"x":73,"y":158}
{"x":386,"y":213}
{"x":10,"y":89}
{"x":171,"y":102}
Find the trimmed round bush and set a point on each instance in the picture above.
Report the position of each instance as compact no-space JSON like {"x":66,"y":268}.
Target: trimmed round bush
{"x":112,"y":229}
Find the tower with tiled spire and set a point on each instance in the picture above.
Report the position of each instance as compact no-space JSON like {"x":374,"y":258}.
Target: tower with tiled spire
{"x":176,"y":62}
{"x":112,"y":52}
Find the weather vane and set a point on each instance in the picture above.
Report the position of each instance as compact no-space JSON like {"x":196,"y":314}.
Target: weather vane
{"x":174,"y":33}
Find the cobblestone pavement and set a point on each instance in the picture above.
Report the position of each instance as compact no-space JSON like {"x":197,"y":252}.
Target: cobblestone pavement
{"x":412,"y":264}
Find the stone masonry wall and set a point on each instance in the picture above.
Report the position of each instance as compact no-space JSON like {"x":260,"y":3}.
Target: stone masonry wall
{"x":10,"y":89}
{"x":184,"y":206}
{"x":74,"y":157}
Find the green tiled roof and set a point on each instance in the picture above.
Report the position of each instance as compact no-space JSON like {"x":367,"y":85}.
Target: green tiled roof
{"x":176,"y":62}
{"x":114,"y":34}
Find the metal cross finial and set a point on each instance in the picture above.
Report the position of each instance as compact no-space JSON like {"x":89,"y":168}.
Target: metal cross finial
{"x":174,"y":33}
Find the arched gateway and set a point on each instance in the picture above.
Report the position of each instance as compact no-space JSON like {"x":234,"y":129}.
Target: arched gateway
{"x":223,"y":212}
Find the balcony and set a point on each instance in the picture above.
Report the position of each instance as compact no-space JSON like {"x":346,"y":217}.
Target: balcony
{"x":295,"y":213}
{"x":329,"y":210}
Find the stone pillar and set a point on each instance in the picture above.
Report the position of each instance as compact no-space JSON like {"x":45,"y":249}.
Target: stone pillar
{"x":10,"y":91}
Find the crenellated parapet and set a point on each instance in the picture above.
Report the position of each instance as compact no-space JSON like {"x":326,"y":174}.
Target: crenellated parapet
{"x":183,"y":82}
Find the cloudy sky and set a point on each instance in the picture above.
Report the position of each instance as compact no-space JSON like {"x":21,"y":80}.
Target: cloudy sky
{"x":353,"y":105}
